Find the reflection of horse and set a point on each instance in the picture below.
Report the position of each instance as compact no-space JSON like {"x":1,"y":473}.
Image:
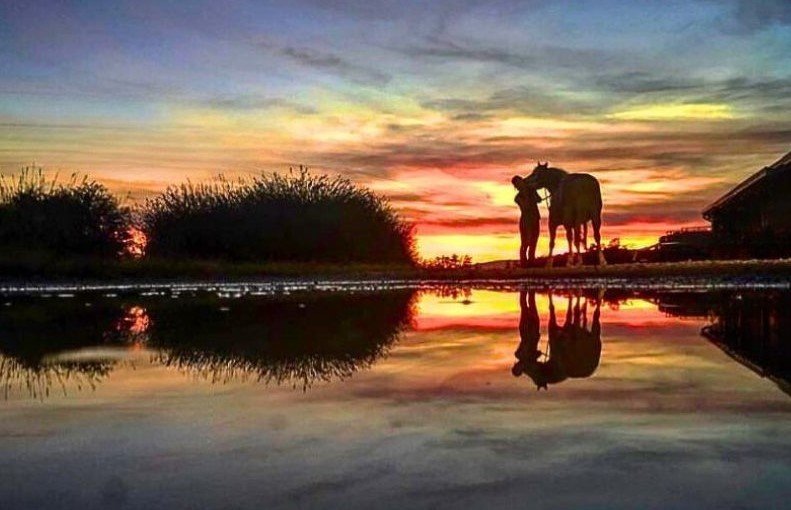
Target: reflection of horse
{"x":574,"y":351}
{"x":575,"y":200}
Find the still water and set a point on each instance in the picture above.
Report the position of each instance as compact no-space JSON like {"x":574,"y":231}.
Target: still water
{"x":429,"y":397}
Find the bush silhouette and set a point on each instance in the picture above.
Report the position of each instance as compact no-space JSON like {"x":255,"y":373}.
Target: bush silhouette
{"x":76,"y":218}
{"x":296,"y":217}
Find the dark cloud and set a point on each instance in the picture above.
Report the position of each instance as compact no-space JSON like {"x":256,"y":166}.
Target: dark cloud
{"x":701,"y":152}
{"x":769,"y":93}
{"x":641,"y":82}
{"x":405,"y":197}
{"x":446,"y":49}
{"x":524,"y":100}
{"x":471,"y":117}
{"x":603,"y":92}
{"x":435,"y":12}
{"x":750,"y":16}
{"x":332,"y":63}
{"x":537,"y":58}
{"x":647,"y":213}
{"x":257,"y":103}
{"x":466,"y":224}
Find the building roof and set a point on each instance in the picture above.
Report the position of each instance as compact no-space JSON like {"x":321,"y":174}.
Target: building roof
{"x":781,"y":165}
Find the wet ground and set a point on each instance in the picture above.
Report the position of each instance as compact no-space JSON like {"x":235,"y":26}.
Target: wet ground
{"x":395,"y":396}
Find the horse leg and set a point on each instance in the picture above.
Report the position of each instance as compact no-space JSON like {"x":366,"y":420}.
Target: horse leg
{"x":585,"y":236}
{"x":553,"y":320}
{"x":597,"y":237}
{"x":585,"y":314}
{"x":577,"y":240}
{"x":552,"y":231}
{"x":570,"y":235}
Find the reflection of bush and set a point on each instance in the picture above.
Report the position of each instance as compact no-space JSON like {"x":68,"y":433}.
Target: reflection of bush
{"x":296,"y":339}
{"x":40,"y":378}
{"x":34,"y":329}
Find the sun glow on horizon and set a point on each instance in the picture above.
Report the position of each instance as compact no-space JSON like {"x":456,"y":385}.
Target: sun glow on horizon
{"x":698,"y":111}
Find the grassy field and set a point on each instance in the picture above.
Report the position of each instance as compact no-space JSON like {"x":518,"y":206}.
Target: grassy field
{"x":56,"y":269}
{"x":708,"y":268}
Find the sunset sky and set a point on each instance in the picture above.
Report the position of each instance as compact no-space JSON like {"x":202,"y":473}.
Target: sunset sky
{"x":435,"y":104}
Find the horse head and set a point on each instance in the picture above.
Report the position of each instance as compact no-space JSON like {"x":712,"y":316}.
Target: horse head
{"x":541,"y":373}
{"x":544,"y":176}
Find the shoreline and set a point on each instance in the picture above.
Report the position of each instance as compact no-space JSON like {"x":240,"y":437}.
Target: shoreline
{"x":152,"y":273}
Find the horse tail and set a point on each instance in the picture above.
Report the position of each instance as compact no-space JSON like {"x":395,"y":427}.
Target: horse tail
{"x":597,"y":198}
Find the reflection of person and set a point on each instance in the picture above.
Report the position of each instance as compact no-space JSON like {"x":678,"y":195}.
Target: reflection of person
{"x":574,"y":351}
{"x":529,"y":330}
{"x":527,"y":199}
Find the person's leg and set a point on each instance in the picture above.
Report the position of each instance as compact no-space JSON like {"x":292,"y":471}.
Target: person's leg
{"x":531,"y":254}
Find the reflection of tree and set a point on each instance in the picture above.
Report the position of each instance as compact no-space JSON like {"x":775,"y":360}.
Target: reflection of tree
{"x":574,"y":350}
{"x":34,"y":330}
{"x":297,"y":339}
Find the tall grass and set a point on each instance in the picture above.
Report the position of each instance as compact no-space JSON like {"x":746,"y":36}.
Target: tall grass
{"x":78,"y":217}
{"x":295,"y":217}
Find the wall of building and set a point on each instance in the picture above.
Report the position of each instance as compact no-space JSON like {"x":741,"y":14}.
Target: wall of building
{"x":757,"y":223}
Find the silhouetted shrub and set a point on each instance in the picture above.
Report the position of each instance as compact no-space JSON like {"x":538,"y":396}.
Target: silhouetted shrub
{"x":76,"y":218}
{"x":296,"y":217}
{"x":445,"y":262}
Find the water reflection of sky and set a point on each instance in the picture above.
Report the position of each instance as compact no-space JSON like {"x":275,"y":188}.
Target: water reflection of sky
{"x":667,"y":420}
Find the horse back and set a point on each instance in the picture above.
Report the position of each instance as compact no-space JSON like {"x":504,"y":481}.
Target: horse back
{"x":582,"y":184}
{"x":580,"y":197}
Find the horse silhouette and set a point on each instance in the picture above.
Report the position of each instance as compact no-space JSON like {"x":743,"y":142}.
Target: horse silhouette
{"x":527,"y":199}
{"x":574,"y":350}
{"x":575,"y":199}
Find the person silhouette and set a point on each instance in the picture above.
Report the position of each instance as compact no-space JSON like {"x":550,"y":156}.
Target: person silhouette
{"x":527,"y":198}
